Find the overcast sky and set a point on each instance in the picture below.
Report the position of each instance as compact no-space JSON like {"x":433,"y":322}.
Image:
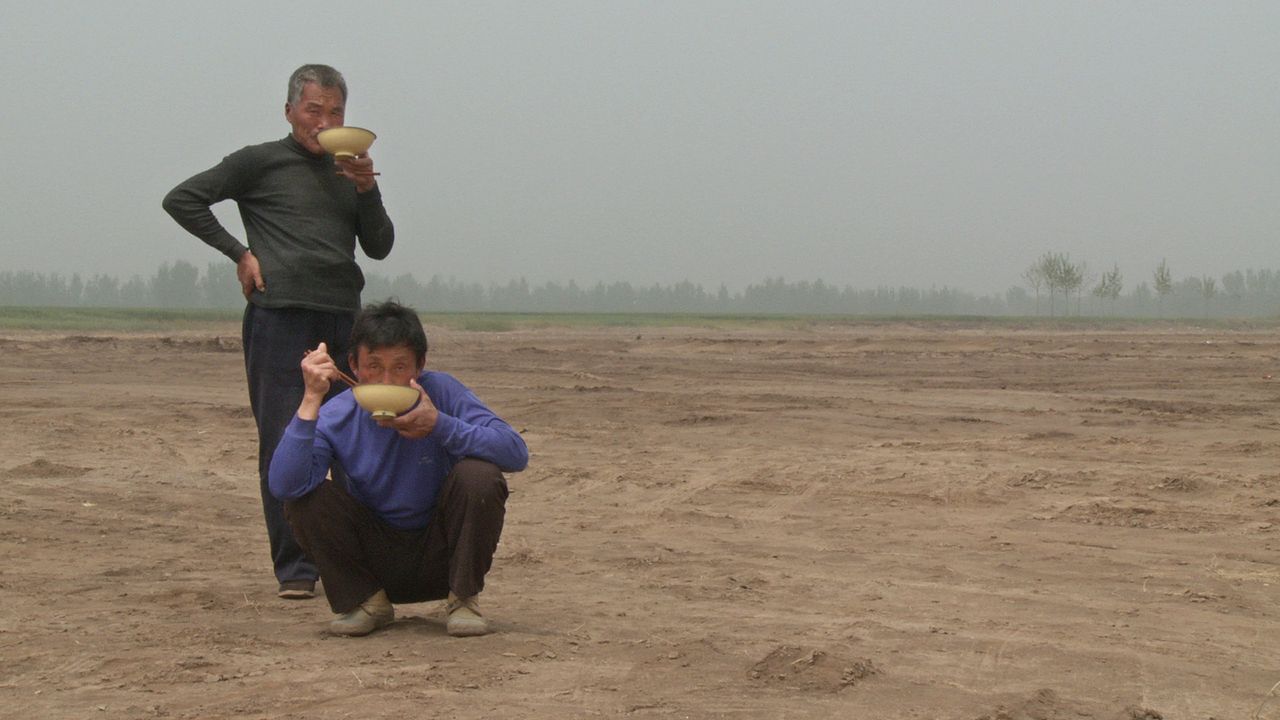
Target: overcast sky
{"x":863,"y":143}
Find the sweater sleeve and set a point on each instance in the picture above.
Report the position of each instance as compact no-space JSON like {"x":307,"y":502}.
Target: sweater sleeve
{"x":189,"y":204}
{"x":466,"y":428}
{"x":373,"y":225}
{"x":300,"y":462}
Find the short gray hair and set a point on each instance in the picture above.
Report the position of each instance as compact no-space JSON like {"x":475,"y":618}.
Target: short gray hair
{"x":322,"y":75}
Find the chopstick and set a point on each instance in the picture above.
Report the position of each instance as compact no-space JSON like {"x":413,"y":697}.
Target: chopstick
{"x":361,"y":174}
{"x":341,"y":375}
{"x":345,"y":377}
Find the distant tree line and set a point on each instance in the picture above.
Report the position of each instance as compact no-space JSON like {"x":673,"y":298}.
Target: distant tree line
{"x":1054,"y":286}
{"x":1248,"y":293}
{"x":179,"y":285}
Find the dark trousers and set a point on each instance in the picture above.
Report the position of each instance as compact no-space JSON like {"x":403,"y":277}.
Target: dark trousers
{"x":274,"y":342}
{"x":359,"y":554}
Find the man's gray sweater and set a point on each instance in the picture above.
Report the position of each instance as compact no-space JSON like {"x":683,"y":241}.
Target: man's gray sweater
{"x":301,"y":220}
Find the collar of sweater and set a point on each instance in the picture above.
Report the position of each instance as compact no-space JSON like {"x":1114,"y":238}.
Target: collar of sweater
{"x":292,"y":143}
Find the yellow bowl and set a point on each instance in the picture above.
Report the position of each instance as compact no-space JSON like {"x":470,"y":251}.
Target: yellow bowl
{"x":346,"y":141}
{"x":385,"y":401}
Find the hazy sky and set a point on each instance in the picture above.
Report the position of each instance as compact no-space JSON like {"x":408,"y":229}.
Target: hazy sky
{"x":863,"y":143}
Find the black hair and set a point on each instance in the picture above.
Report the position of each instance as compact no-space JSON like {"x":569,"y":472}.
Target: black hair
{"x":389,"y":324}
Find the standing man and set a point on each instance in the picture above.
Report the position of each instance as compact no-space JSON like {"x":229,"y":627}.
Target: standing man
{"x":303,"y":213}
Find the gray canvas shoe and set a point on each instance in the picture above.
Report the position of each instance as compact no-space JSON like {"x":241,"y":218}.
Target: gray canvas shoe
{"x":370,"y":615}
{"x":463,"y":617}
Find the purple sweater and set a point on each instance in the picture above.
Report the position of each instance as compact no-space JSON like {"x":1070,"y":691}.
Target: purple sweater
{"x":395,"y":477}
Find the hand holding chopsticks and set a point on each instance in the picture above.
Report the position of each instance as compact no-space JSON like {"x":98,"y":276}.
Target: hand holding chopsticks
{"x":334,"y":369}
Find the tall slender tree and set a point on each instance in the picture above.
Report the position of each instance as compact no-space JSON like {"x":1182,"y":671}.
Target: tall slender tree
{"x":1035,"y":278}
{"x":1208,"y":289}
{"x":1164,"y":283}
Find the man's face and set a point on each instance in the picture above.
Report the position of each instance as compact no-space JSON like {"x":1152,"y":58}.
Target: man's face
{"x":319,"y":108}
{"x":394,"y":365}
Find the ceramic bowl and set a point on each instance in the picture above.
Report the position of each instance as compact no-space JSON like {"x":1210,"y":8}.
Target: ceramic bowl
{"x":385,"y":401}
{"x":346,"y":141}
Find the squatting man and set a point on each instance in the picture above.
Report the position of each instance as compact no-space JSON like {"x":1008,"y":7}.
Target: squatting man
{"x":421,"y":512}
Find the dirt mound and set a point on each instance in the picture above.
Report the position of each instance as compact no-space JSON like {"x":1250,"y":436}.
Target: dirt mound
{"x":1045,"y":704}
{"x":800,"y":668}
{"x":216,"y":343}
{"x":41,"y":468}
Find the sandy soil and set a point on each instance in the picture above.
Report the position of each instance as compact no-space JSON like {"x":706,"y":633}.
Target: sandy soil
{"x":877,"y":521}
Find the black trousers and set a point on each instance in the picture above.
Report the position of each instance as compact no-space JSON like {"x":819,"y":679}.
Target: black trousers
{"x":359,"y":554}
{"x":274,"y":341}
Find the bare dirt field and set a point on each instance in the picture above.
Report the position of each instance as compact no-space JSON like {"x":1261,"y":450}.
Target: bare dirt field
{"x":870,"y":521}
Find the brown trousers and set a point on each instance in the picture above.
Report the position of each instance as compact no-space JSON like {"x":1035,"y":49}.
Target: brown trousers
{"x":359,"y":554}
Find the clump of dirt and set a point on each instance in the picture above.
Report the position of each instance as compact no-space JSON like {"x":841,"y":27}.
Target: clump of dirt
{"x":702,"y":419}
{"x":1045,"y":704}
{"x":1179,"y":483}
{"x":216,"y":343}
{"x":521,"y":556}
{"x":41,"y":468}
{"x":798,"y":668}
{"x":1050,"y":479}
{"x":1111,"y":512}
{"x":1050,"y":435}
